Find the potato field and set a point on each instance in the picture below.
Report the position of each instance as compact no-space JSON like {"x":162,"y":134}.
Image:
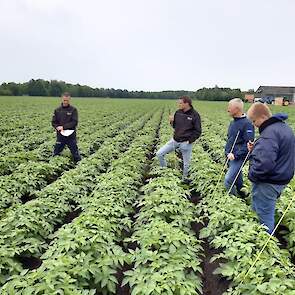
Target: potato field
{"x":117,"y":223}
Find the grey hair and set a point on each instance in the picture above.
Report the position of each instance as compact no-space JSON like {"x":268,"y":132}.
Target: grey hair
{"x":238,"y":102}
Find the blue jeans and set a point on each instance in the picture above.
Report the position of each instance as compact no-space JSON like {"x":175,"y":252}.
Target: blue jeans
{"x":172,"y":145}
{"x":264,"y":198}
{"x":233,"y":169}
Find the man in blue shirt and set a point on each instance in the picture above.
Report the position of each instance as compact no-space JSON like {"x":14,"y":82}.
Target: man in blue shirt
{"x":240,"y":131}
{"x":272,"y":161}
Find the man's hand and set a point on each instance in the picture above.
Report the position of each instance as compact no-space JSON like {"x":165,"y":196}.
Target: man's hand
{"x":59,"y":128}
{"x":250,"y":145}
{"x":231,"y":156}
{"x":171,"y":119}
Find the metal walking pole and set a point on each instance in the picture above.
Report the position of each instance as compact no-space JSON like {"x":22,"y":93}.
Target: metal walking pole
{"x":242,"y":166}
{"x":225,"y":164}
{"x":266,"y":243}
{"x":269,"y":238}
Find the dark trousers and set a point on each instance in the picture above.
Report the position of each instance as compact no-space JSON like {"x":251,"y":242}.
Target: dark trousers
{"x":70,"y":142}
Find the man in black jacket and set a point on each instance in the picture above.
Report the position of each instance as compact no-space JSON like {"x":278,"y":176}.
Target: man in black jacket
{"x":65,"y":118}
{"x":187,"y":129}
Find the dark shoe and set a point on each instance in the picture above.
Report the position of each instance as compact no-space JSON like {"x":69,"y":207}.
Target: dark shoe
{"x":186,"y":181}
{"x":242,"y":194}
{"x":178,"y":153}
{"x":77,"y":160}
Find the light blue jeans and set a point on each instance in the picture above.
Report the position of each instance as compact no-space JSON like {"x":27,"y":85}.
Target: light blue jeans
{"x":172,"y":145}
{"x":234,"y":167}
{"x":264,"y":198}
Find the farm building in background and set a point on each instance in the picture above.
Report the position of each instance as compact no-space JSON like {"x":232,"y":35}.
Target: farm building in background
{"x":249,"y":97}
{"x":275,"y":93}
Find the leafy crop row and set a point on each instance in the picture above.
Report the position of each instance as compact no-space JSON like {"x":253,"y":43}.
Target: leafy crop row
{"x":84,"y":256}
{"x":34,"y":176}
{"x":25,"y":228}
{"x":166,"y":259}
{"x":233,"y":228}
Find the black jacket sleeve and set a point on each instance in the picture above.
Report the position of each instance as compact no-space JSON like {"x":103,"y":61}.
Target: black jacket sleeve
{"x":74,"y":121}
{"x":197,"y":128}
{"x":173,"y":122}
{"x":54,"y":122}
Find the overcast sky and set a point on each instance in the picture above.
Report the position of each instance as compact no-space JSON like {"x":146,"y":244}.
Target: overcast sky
{"x":149,"y":44}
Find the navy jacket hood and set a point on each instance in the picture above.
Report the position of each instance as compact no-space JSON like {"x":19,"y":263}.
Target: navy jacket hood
{"x":280,"y":116}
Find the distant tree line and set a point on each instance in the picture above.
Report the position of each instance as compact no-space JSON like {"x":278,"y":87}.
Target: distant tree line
{"x":41,"y":87}
{"x":218,"y":93}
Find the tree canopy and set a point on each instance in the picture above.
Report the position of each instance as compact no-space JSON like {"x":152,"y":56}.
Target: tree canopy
{"x":41,"y":87}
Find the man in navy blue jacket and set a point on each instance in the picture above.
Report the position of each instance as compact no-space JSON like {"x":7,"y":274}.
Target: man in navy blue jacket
{"x":240,"y":131}
{"x":272,"y":161}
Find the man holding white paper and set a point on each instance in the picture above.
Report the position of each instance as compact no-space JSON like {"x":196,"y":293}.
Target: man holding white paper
{"x":65,"y":121}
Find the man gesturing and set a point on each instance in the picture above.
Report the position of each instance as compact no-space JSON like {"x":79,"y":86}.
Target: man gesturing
{"x":187,"y":129}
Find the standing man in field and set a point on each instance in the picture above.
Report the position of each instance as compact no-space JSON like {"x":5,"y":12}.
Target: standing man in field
{"x":65,"y":118}
{"x":272,"y":161}
{"x":240,"y":131}
{"x":187,"y":129}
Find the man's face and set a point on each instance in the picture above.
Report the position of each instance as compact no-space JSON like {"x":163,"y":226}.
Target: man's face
{"x":232,"y":109}
{"x":256,"y":121}
{"x":66,"y":100}
{"x":182,"y":105}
